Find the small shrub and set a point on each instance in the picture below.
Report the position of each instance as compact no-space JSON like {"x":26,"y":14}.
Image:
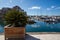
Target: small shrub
{"x":16,"y":18}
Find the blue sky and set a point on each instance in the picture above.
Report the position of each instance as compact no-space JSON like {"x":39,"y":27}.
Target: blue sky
{"x":35,"y":7}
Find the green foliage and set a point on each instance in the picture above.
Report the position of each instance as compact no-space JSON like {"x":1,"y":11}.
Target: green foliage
{"x":16,"y":18}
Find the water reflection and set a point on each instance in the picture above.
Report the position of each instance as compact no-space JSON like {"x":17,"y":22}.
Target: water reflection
{"x":1,"y":28}
{"x":35,"y":26}
{"x":40,"y":26}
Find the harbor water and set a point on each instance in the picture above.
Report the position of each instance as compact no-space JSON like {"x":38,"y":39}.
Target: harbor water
{"x":39,"y":26}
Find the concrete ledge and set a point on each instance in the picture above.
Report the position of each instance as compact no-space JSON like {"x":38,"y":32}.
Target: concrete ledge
{"x":43,"y":33}
{"x":37,"y":36}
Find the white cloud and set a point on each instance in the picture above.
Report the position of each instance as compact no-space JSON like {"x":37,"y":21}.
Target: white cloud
{"x":48,"y":8}
{"x":21,"y":1}
{"x":10,"y":1}
{"x":35,"y":7}
{"x":57,"y":8}
{"x":52,"y":6}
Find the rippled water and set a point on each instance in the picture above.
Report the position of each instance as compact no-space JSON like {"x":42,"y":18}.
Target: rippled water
{"x":39,"y":27}
{"x":43,"y":27}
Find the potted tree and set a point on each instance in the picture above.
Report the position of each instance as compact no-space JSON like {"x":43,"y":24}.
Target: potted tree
{"x":16,"y":22}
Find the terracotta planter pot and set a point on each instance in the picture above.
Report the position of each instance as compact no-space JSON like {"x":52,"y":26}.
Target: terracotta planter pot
{"x":14,"y":32}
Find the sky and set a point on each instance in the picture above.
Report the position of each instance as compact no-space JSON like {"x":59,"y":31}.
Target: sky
{"x":34,"y":7}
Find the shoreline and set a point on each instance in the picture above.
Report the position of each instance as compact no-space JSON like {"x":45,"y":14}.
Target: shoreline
{"x":1,"y":33}
{"x":43,"y":33}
